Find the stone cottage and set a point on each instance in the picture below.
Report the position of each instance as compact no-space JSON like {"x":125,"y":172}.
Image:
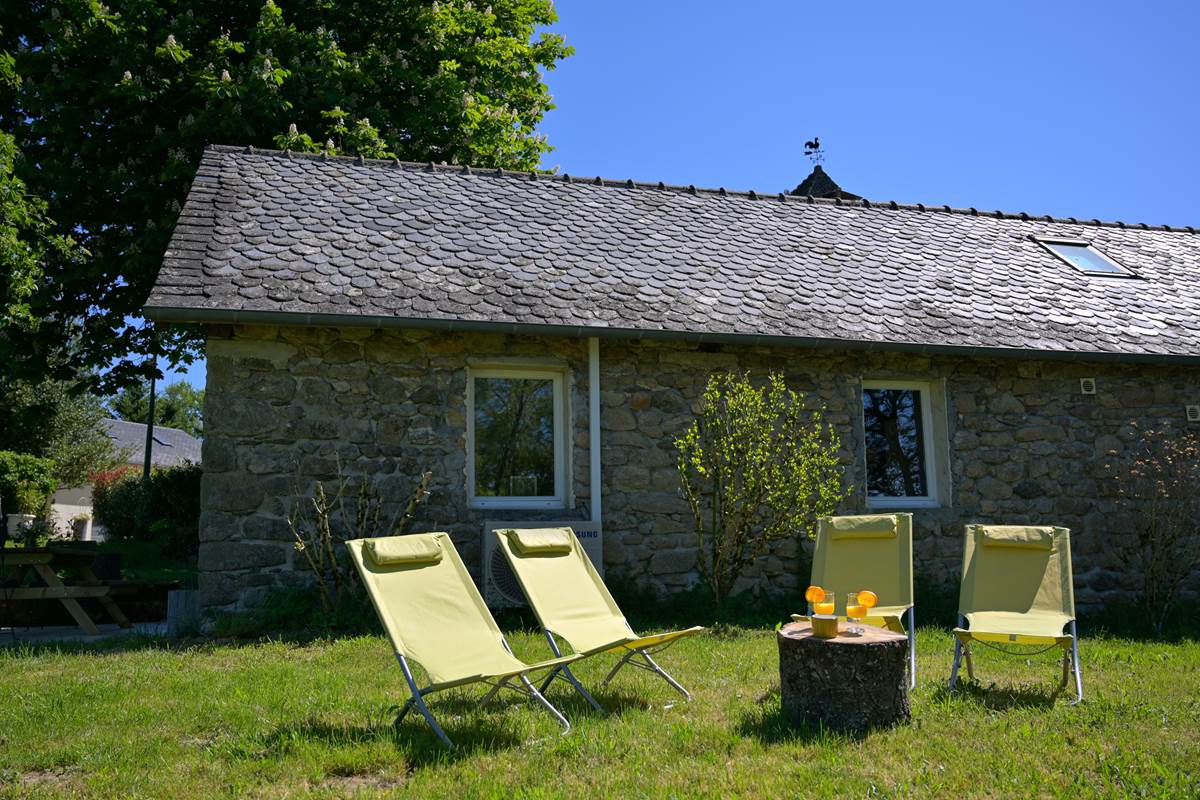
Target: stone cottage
{"x":538,"y":341}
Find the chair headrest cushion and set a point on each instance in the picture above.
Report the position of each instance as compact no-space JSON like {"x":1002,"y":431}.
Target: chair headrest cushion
{"x":541,"y":541}
{"x":867,"y":526}
{"x":1027,"y":537}
{"x":388,"y":551}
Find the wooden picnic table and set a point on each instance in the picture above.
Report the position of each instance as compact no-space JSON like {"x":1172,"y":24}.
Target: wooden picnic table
{"x":45,"y":562}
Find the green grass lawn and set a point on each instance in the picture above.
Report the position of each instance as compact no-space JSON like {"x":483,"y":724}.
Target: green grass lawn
{"x":297,"y":720}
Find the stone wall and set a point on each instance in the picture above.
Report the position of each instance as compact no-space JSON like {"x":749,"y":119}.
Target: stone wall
{"x":285,"y":405}
{"x":1025,"y":447}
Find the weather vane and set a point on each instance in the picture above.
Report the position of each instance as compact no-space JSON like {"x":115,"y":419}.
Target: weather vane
{"x":813,"y":150}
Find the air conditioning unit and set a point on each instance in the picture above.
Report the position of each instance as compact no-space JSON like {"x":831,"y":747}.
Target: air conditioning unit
{"x":500,"y":586}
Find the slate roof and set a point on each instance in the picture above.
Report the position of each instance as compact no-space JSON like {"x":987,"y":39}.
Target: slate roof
{"x":287,"y":238}
{"x":171,"y":445}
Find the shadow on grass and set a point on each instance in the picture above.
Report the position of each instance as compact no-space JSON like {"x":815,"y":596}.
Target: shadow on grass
{"x":767,"y":723}
{"x":413,"y":737}
{"x":560,"y":695}
{"x":472,"y":729}
{"x":994,"y":697}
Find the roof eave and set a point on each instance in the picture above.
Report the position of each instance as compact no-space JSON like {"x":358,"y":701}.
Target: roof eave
{"x":221,"y":316}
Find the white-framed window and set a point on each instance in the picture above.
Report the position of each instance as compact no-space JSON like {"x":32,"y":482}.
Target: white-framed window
{"x":903,"y":469}
{"x":516,"y":437}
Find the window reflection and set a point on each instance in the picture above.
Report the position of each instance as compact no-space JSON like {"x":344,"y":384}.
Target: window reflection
{"x":895,"y":443}
{"x":514,"y":437}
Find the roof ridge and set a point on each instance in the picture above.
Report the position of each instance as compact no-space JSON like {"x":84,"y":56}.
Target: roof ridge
{"x":157,"y":426}
{"x":750,"y":194}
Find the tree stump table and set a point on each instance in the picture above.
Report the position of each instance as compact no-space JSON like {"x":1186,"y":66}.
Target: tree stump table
{"x":849,"y":683}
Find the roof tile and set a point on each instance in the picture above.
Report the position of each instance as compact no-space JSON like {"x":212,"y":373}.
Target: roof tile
{"x":266,"y":233}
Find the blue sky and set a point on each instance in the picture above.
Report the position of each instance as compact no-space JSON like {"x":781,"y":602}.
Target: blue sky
{"x":1073,"y":109}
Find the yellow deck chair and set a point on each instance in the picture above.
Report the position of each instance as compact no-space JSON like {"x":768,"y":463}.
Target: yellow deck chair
{"x":572,"y":603}
{"x":1017,"y":589}
{"x":870,"y":551}
{"x":434,"y":616}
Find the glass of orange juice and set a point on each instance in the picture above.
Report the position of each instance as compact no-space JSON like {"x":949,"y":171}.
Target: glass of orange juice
{"x":824,"y":605}
{"x":856,"y":611}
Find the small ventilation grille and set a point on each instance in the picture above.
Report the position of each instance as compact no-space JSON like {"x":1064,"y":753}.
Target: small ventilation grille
{"x":503,"y":580}
{"x":1193,"y":413}
{"x":1087,"y":385}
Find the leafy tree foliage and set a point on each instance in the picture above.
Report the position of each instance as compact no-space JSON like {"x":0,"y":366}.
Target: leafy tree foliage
{"x":757,"y":466}
{"x":76,"y":440}
{"x":180,"y":405}
{"x":27,"y":241}
{"x":116,"y":101}
{"x":50,"y":420}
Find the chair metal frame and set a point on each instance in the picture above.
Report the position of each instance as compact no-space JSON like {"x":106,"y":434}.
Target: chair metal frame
{"x":647,"y":663}
{"x":525,"y":688}
{"x":1070,"y":661}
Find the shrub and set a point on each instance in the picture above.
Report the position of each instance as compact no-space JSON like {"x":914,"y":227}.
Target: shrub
{"x":25,"y":479}
{"x":1158,"y":486}
{"x":322,"y":524}
{"x":757,"y":466}
{"x":32,"y":498}
{"x":174,"y":500}
{"x":119,"y":503}
{"x":164,"y":508}
{"x":103,"y":483}
{"x":39,"y":533}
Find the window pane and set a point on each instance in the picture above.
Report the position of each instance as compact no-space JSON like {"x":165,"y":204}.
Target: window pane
{"x":1085,"y":258}
{"x":895,"y":443}
{"x":514,"y":437}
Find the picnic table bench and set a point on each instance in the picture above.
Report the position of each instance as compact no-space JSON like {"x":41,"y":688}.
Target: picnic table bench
{"x":45,"y":562}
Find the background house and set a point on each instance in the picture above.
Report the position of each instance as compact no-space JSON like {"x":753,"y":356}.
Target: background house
{"x":538,"y":342}
{"x":171,"y":447}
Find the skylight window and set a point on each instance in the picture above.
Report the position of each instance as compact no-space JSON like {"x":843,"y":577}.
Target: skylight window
{"x":1085,"y":258}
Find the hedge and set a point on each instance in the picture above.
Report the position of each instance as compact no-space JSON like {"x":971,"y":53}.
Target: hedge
{"x":165,"y":508}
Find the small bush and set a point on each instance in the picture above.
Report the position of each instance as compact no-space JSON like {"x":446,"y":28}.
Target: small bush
{"x":119,"y":503}
{"x":163,"y":509}
{"x":323,"y":522}
{"x":103,"y":482}
{"x":757,"y":466}
{"x":175,"y":501}
{"x":39,"y":533}
{"x":29,"y":477}
{"x":1156,"y":487}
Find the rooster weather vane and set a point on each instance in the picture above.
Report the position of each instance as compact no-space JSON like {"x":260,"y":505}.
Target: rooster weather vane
{"x":812,"y":149}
